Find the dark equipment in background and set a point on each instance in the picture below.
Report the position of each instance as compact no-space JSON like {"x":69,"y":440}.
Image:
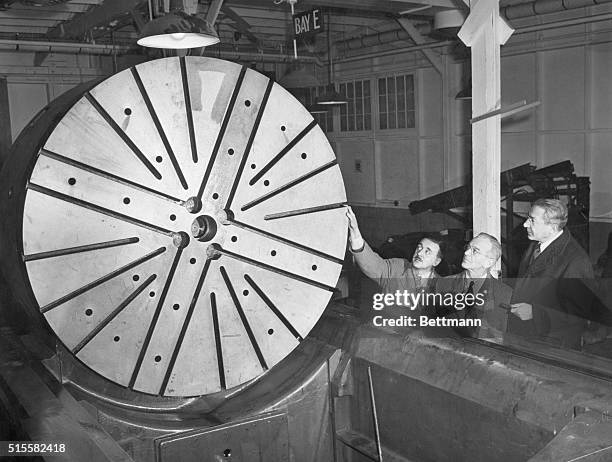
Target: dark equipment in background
{"x":523,"y":184}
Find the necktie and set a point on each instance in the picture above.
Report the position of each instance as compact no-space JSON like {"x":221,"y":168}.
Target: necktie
{"x":536,"y":252}
{"x":469,"y":305}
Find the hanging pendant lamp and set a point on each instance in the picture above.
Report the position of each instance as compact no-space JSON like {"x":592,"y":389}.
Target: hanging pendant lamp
{"x":178,"y":30}
{"x":331,"y":96}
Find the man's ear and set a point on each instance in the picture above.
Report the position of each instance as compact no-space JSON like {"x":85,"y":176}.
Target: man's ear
{"x":437,"y":262}
{"x":492,"y":265}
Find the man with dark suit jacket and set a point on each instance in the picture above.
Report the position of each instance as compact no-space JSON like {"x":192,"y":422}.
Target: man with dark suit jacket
{"x":550,"y":299}
{"x":479,"y":259}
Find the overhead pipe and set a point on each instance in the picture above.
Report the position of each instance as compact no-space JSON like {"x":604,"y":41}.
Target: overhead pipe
{"x":539,"y":7}
{"x":64,"y":47}
{"x":534,"y":8}
{"x":564,"y":23}
{"x":537,"y":27}
{"x":109,"y":50}
{"x":378,"y":39}
{"x":395,"y":51}
{"x":522,"y":10}
{"x":267,"y":57}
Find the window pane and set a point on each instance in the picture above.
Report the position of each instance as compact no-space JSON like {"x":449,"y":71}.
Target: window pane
{"x":401,"y":96}
{"x":382,"y":87}
{"x":367,"y":122}
{"x":382,"y":103}
{"x":359,"y":101}
{"x":329,"y":121}
{"x":401,"y":120}
{"x":395,"y":102}
{"x":391,"y":87}
{"x":410,"y":119}
{"x":410,"y":101}
{"x":359,"y":123}
{"x":409,"y":84}
{"x":391,"y":119}
{"x":352,"y":114}
{"x":391,"y":102}
{"x":383,"y":121}
{"x":367,"y":106}
{"x":400,"y":84}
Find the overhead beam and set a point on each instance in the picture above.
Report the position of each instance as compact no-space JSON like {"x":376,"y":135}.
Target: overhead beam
{"x":5,"y":4}
{"x":373,"y":7}
{"x":441,"y":3}
{"x":240,"y":25}
{"x":391,"y":5}
{"x":484,"y":31}
{"x":213,"y":11}
{"x":51,"y":9}
{"x":415,"y":35}
{"x":139,"y":21}
{"x":99,"y":16}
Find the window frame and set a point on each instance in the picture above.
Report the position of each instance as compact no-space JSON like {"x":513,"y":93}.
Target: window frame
{"x":414,"y":130}
{"x":363,"y":131}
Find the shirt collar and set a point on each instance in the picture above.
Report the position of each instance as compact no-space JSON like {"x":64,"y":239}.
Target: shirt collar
{"x":549,"y":241}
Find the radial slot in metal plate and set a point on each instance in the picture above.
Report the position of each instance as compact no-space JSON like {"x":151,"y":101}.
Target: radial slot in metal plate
{"x":183,"y":229}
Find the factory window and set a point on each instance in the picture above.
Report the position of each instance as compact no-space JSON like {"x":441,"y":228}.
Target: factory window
{"x":396,"y":102}
{"x":357,"y":114}
{"x":324,"y":119}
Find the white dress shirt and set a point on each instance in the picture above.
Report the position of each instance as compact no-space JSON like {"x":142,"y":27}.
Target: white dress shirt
{"x":549,"y":241}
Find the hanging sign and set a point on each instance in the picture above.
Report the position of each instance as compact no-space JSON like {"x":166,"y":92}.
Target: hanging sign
{"x":308,"y":23}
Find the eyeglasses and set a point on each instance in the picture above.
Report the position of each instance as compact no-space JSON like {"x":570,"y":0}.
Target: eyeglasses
{"x":475,"y":251}
{"x":472,"y":250}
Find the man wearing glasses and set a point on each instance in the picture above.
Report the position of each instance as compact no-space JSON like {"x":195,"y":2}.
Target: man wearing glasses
{"x":489,"y":295}
{"x":550,"y":300}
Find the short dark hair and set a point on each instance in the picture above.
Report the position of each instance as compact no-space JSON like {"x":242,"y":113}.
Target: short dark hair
{"x":436,"y":239}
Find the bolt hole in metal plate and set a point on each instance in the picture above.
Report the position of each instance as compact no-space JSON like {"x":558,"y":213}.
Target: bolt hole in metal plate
{"x":105,"y":263}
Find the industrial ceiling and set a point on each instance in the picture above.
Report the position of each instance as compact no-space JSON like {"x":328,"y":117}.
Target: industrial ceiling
{"x":244,"y":25}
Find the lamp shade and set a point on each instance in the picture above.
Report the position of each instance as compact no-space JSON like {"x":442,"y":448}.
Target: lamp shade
{"x":318,"y":109}
{"x":331,"y":98}
{"x":299,"y":77}
{"x":178,"y":30}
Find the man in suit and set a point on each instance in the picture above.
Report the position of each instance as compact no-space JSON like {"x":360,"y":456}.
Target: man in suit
{"x":491,"y":295}
{"x":550,"y":299}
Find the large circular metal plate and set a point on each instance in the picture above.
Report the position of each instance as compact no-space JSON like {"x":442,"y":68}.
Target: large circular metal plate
{"x":182,"y":229}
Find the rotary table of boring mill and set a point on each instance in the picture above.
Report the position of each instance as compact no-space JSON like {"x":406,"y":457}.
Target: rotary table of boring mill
{"x":179,"y":225}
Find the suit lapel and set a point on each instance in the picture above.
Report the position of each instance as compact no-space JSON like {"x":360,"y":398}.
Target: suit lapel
{"x":550,"y":254}
{"x":524,"y":265}
{"x":486,"y":286}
